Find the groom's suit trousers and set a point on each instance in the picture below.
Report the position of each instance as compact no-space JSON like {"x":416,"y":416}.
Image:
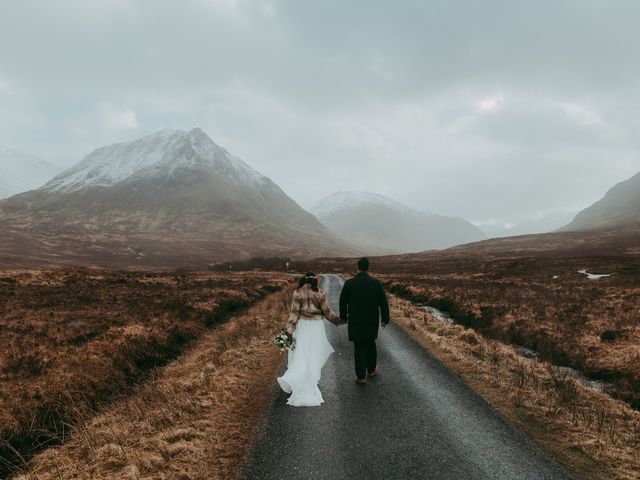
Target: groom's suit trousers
{"x":366,"y":357}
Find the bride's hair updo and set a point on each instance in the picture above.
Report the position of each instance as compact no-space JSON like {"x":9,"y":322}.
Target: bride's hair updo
{"x":309,"y":278}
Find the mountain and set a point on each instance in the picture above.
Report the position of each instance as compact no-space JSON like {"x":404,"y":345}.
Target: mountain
{"x":20,"y":172}
{"x":547,"y":223}
{"x":388,"y":226}
{"x":620,"y":207}
{"x":170,"y":199}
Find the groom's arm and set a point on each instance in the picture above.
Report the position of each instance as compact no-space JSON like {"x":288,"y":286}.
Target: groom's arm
{"x":384,"y":307}
{"x":344,"y":302}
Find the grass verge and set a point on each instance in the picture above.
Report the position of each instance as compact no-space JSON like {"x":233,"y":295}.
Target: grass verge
{"x":547,"y":306}
{"x":592,"y":433}
{"x":74,"y":341}
{"x":195,"y":420}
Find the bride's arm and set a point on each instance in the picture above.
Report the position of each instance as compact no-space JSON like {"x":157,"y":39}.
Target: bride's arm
{"x":294,"y":316}
{"x":328,"y":313}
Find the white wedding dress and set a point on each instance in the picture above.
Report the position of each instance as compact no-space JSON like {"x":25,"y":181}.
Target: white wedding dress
{"x":305,"y":363}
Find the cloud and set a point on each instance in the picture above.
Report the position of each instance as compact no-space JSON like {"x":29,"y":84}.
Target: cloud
{"x":117,"y":117}
{"x":581,"y":114}
{"x":489,"y":103}
{"x":269,"y":9}
{"x":5,"y":87}
{"x":232,"y":7}
{"x":480,"y":109}
{"x":540,"y":122}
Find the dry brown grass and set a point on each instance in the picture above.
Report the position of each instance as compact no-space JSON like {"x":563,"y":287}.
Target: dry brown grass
{"x":195,"y":420}
{"x":592,"y":326}
{"x":75,"y":341}
{"x":594,"y":434}
{"x":505,"y":288}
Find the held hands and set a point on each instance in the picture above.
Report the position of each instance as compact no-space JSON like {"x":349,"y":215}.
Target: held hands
{"x":339,"y":321}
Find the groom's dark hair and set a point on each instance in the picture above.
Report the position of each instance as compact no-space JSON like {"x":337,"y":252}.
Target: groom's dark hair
{"x":363,"y":264}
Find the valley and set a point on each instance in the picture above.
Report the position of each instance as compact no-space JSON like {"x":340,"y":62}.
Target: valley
{"x":530,"y":291}
{"x":107,"y":280}
{"x":170,"y":173}
{"x":384,"y":225}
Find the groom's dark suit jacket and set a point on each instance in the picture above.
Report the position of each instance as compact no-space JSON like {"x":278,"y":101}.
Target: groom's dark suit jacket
{"x":363,"y":304}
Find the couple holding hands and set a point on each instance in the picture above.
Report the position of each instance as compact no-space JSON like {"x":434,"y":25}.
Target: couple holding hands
{"x":363,"y":306}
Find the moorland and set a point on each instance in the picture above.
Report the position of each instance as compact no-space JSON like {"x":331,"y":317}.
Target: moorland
{"x":529,"y":291}
{"x":76,"y":340}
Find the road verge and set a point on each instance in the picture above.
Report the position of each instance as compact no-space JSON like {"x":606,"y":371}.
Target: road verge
{"x":195,"y":419}
{"x":593,"y":434}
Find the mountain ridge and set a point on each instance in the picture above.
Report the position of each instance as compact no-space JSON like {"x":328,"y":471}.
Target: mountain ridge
{"x":619,"y":207}
{"x":110,"y":164}
{"x":167,"y":199}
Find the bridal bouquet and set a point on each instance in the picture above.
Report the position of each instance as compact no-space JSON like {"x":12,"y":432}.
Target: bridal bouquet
{"x":285,"y":341}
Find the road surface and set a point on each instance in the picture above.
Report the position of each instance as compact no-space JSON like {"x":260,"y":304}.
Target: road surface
{"x":417,"y":420}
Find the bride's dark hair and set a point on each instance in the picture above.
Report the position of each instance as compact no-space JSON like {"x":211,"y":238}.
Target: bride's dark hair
{"x":309,"y":278}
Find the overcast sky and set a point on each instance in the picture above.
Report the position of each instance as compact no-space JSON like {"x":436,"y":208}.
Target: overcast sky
{"x":490,"y":110}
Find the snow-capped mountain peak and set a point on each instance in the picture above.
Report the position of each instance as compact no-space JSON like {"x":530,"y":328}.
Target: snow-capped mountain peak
{"x":159,"y":153}
{"x":348,"y":200}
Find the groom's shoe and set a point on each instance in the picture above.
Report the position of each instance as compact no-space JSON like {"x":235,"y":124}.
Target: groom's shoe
{"x":374,"y":373}
{"x":361,"y":381}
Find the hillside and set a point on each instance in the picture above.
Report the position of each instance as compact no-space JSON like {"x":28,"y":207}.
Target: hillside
{"x":388,"y":226}
{"x":620,"y":207}
{"x":169,"y":199}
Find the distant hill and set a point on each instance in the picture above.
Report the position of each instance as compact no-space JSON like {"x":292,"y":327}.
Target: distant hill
{"x":387,"y":226}
{"x":173,"y":198}
{"x":620,"y":207}
{"x":20,"y":172}
{"x":547,"y":223}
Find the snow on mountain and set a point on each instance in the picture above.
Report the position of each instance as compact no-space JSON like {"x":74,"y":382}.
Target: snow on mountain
{"x":388,"y":226}
{"x":169,"y":199}
{"x":160,"y":153}
{"x":20,"y":172}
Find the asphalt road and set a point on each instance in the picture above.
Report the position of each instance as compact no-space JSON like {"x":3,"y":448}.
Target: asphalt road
{"x":417,"y":420}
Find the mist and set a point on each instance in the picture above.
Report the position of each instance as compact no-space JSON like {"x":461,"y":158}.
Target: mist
{"x":496,"y":112}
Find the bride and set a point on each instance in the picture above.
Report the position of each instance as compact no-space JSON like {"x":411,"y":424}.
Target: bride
{"x":312,"y":349}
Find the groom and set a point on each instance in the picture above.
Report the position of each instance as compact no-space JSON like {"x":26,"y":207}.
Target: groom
{"x":363,"y":304}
